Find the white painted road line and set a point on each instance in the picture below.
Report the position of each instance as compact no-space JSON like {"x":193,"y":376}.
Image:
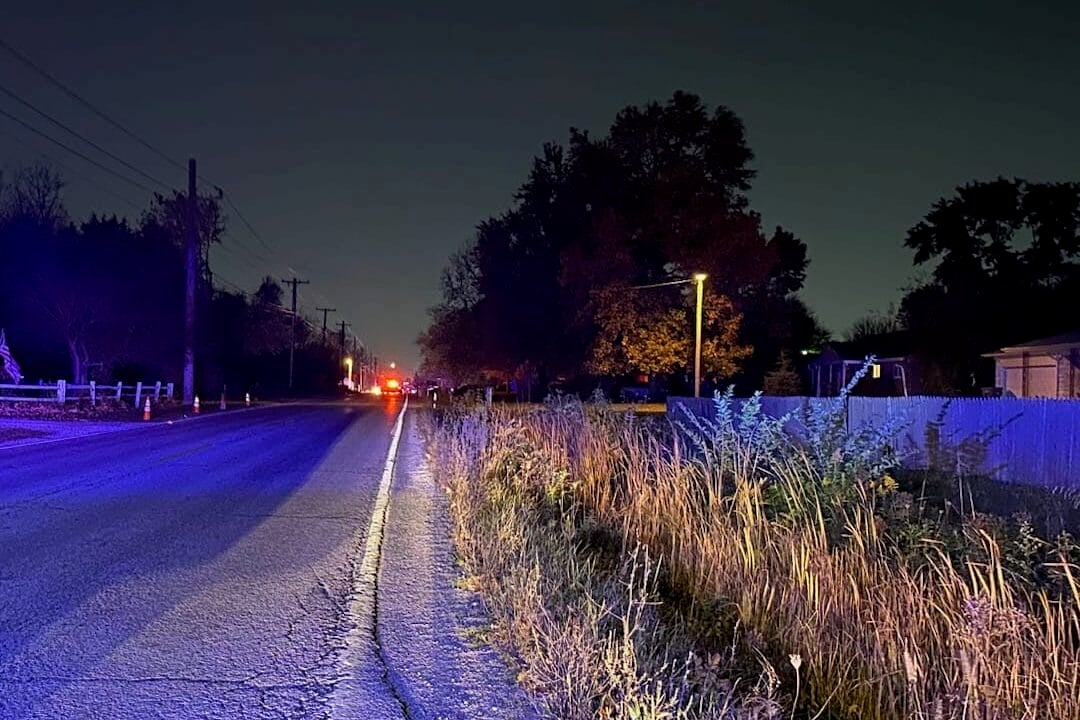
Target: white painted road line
{"x":361,"y":644}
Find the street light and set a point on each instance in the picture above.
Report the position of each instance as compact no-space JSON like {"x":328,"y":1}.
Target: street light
{"x":393,"y":365}
{"x":348,"y":364}
{"x":699,"y":279}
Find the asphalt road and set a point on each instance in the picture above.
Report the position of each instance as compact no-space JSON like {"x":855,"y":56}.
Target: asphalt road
{"x":211,"y":569}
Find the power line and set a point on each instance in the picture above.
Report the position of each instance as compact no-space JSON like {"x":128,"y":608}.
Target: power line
{"x":243,"y":246}
{"x":122,"y":128}
{"x":109,"y":191}
{"x":104,"y":116}
{"x":86,"y":140}
{"x":126,"y":131}
{"x":86,"y":103}
{"x":243,"y":220}
{"x":661,"y":284}
{"x":59,"y":124}
{"x":97,"y":183}
{"x":237,"y":257}
{"x":229,"y":283}
{"x":75,"y":152}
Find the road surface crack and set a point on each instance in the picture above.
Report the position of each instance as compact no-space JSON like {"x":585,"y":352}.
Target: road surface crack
{"x":387,"y":676}
{"x":363,"y":608}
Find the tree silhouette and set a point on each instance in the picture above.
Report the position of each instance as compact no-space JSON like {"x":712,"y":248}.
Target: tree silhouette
{"x":783,"y":380}
{"x":104,"y":300}
{"x":873,"y":324}
{"x":660,"y":196}
{"x":1006,"y":257}
{"x":34,"y":196}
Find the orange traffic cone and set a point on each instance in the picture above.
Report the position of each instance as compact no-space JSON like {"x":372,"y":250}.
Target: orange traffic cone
{"x":146,"y":410}
{"x":195,"y":406}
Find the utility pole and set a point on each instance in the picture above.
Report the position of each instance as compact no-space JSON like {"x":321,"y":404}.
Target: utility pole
{"x":363,"y":365}
{"x":292,"y":327}
{"x":191,"y":246}
{"x":343,"y":326}
{"x":324,"y":312}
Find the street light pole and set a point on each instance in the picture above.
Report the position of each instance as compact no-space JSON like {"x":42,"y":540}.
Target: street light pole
{"x":699,"y":279}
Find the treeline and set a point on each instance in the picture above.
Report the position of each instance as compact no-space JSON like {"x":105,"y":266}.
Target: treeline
{"x":1005,"y":259}
{"x":103,"y":299}
{"x":582,"y":277}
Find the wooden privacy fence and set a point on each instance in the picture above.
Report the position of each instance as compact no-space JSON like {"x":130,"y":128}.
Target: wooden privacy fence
{"x":1034,"y":441}
{"x":63,"y":391}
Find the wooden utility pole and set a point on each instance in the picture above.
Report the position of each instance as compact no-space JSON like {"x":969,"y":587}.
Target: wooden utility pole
{"x":343,"y":326}
{"x":191,"y":247}
{"x":292,"y":326}
{"x":324,"y":312}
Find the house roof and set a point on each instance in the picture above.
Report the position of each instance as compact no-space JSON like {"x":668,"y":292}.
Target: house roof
{"x":1062,"y":341}
{"x":890,"y":345}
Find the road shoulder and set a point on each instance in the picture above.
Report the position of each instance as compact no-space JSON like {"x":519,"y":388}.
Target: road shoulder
{"x":425,"y":620}
{"x":20,"y":432}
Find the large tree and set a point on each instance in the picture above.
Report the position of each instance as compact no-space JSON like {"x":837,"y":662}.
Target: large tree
{"x":168,"y":217}
{"x":650,"y":331}
{"x":268,"y":326}
{"x":1005,"y":257}
{"x":662,"y":195}
{"x":451,"y":345}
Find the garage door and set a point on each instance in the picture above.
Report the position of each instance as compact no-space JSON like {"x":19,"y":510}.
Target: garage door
{"x":1042,"y":381}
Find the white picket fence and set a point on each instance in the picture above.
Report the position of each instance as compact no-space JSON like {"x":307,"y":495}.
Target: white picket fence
{"x":1032,"y":441}
{"x":62,"y":392}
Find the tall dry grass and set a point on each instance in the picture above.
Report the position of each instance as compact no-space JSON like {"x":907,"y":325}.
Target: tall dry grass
{"x":757,"y":532}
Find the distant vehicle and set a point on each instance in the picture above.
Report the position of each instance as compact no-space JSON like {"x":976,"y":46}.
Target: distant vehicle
{"x":635,"y":394}
{"x":391,"y":386}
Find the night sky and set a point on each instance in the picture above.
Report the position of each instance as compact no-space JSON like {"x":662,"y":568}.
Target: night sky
{"x":364,"y":145}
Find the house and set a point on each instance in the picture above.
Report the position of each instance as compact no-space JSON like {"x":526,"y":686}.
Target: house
{"x":895,"y":372}
{"x":1048,"y":367}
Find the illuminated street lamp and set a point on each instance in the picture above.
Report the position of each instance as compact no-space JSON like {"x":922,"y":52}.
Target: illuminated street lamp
{"x":393,"y":365}
{"x":348,"y":364}
{"x":699,"y":280}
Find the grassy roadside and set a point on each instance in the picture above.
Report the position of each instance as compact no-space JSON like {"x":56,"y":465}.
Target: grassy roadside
{"x":109,"y":410}
{"x":763,"y":578}
{"x":14,"y":434}
{"x":577,"y":608}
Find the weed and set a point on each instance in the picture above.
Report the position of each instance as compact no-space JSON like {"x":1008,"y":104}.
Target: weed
{"x":638,"y":571}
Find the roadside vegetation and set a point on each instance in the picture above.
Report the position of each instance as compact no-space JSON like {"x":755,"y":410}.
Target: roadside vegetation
{"x":103,"y":409}
{"x":733,"y":568}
